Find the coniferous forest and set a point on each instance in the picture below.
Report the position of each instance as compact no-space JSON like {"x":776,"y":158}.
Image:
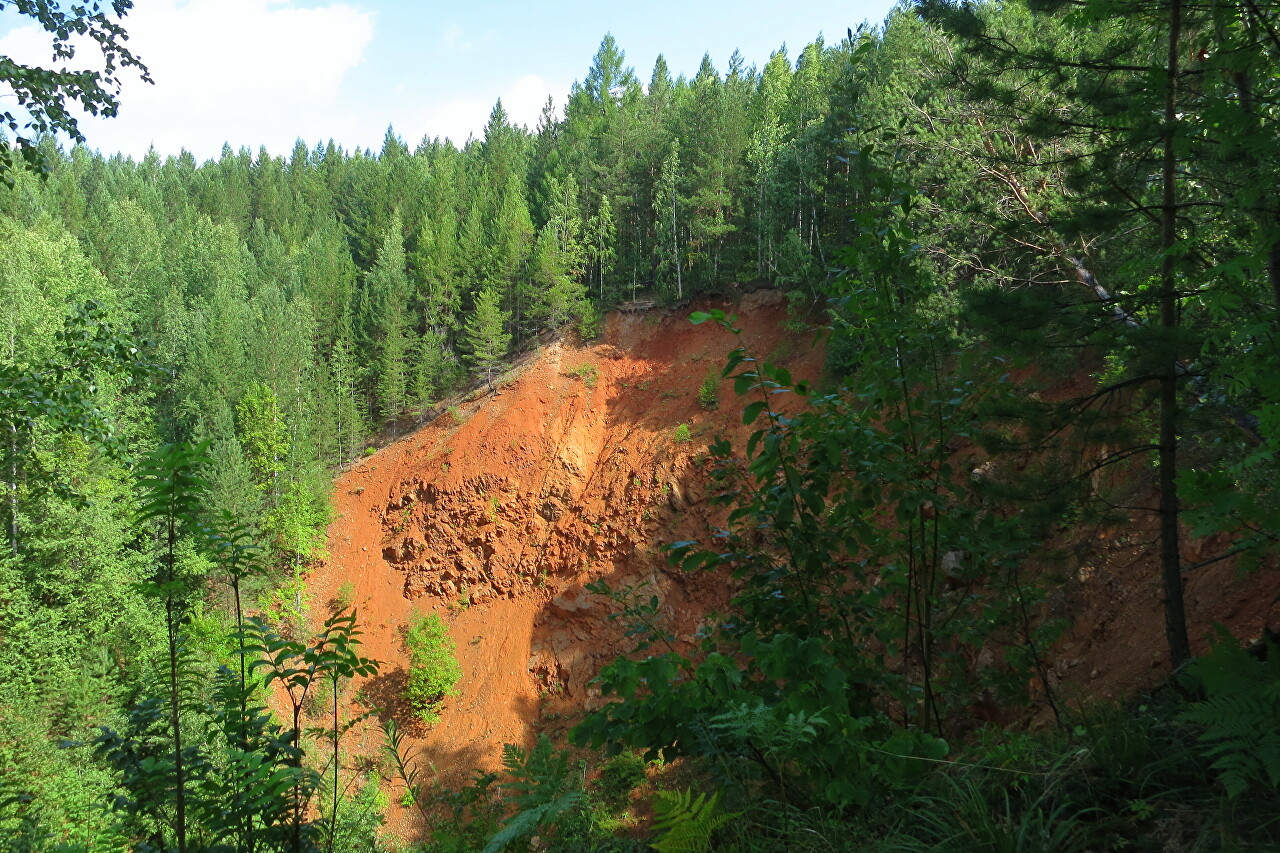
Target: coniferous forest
{"x":972,"y":190}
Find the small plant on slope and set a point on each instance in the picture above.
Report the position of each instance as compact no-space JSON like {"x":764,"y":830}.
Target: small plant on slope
{"x":1241,"y":714}
{"x":708,"y":391}
{"x":687,"y":822}
{"x":434,"y":670}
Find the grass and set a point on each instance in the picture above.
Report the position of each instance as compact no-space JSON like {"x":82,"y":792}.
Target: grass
{"x":587,"y":373}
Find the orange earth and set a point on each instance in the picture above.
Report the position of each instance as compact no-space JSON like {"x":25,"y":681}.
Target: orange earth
{"x":499,"y":512}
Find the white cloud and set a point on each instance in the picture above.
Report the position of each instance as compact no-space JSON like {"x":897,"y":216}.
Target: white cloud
{"x":248,"y":72}
{"x":268,"y":72}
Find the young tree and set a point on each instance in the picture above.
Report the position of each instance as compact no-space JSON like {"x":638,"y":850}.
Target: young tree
{"x":263,"y":435}
{"x":390,"y":296}
{"x":484,"y":334}
{"x":666,"y":204}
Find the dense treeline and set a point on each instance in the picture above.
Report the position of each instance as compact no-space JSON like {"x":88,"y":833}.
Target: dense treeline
{"x":972,"y":187}
{"x":292,"y":306}
{"x":332,"y":290}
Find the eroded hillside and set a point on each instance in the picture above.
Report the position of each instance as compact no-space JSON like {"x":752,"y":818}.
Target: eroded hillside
{"x":498,"y":513}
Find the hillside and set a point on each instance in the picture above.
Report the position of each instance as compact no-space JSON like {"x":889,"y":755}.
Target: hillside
{"x":499,"y":512}
{"x":498,"y":517}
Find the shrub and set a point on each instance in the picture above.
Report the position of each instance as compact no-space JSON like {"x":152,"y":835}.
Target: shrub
{"x":708,"y":391}
{"x":682,"y":434}
{"x":434,"y":670}
{"x":619,"y":776}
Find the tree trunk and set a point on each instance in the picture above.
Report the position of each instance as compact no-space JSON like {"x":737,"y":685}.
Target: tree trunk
{"x":1170,"y":557}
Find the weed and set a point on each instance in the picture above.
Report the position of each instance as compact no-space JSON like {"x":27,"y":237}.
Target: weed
{"x":682,"y":434}
{"x":369,"y":451}
{"x":586,"y":372}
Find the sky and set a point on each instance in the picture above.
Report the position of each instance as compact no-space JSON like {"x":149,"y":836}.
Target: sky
{"x":254,"y":73}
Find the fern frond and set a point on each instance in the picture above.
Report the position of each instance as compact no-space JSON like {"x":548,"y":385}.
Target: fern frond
{"x":685,"y":822}
{"x":528,"y":821}
{"x":1240,"y":715}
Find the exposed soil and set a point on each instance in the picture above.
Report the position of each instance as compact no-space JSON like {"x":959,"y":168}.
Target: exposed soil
{"x":497,"y":517}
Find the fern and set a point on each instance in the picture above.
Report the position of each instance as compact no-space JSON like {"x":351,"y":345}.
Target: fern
{"x":538,"y":775}
{"x":539,"y":785}
{"x":528,"y":821}
{"x":1240,"y":715}
{"x":685,"y":822}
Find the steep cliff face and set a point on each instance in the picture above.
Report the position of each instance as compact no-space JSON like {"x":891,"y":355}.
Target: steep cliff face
{"x":497,"y":514}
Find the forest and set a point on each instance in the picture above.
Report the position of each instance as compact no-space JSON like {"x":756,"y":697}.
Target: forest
{"x":969,"y":192}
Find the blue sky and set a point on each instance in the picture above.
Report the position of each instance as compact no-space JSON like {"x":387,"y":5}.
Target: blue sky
{"x":266,"y":72}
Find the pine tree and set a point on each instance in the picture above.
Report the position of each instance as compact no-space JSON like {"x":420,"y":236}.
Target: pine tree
{"x":389,"y":303}
{"x":485,"y":338}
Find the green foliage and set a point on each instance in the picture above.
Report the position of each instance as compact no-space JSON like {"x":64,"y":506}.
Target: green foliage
{"x":587,"y":373}
{"x":590,"y":322}
{"x":621,"y":775}
{"x":709,"y":390}
{"x":434,"y":671}
{"x":539,"y":786}
{"x":263,"y":434}
{"x":299,"y":303}
{"x":48,"y":99}
{"x":685,"y":823}
{"x":1240,"y":714}
{"x":682,"y":434}
{"x":485,"y":340}
{"x":843,"y":612}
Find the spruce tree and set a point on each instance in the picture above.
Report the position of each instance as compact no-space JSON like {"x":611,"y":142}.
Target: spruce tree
{"x":485,"y":338}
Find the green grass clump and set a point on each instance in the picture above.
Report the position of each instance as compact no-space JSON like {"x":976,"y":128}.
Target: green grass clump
{"x":682,"y":434}
{"x":585,"y":372}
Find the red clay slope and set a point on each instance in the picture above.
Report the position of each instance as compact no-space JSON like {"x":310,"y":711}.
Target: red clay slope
{"x":497,"y":518}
